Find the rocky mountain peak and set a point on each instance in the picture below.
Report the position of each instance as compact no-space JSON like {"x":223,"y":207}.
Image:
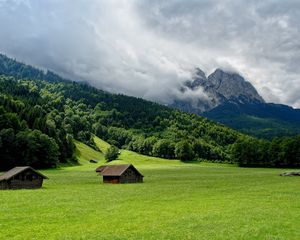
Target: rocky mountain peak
{"x":198,"y":79}
{"x":233,"y":86}
{"x":219,"y":87}
{"x":199,"y":74}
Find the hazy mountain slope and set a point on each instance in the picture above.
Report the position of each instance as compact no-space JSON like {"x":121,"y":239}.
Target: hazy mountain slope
{"x":11,"y":67}
{"x":262,"y":120}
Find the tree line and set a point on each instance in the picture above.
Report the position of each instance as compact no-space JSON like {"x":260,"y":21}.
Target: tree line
{"x":280,"y":152}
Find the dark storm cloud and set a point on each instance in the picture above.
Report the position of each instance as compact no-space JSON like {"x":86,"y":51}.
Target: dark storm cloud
{"x":147,"y":48}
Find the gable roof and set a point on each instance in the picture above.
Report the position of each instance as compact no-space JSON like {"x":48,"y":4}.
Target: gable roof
{"x":115,"y":170}
{"x":101,"y":168}
{"x":16,"y":170}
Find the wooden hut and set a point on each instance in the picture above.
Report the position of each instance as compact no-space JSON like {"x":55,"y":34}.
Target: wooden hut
{"x":121,"y":173}
{"x":21,"y":177}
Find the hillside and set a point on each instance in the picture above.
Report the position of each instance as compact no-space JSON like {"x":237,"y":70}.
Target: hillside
{"x":36,"y":105}
{"x":41,"y":119}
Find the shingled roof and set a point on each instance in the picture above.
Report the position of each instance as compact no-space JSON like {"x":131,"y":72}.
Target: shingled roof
{"x":16,"y":170}
{"x":114,"y":170}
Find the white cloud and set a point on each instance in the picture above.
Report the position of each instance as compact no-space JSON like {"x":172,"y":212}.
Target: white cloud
{"x":147,"y":48}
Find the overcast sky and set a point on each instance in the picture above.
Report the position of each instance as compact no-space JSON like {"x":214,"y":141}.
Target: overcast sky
{"x":146,"y":48}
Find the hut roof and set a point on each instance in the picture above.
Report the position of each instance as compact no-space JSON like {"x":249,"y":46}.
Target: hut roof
{"x":115,"y":170}
{"x":16,"y":170}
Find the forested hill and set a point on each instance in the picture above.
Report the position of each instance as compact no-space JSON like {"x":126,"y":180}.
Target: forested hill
{"x":41,"y":114}
{"x":39,"y":105}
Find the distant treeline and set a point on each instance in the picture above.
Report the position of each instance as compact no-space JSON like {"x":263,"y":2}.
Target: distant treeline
{"x":280,"y":152}
{"x":41,"y":114}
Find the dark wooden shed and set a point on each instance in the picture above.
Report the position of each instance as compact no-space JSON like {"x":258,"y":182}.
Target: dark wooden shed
{"x":21,"y":177}
{"x":121,"y":173}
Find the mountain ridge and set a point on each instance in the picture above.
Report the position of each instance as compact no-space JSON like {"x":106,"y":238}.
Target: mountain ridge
{"x":233,"y":101}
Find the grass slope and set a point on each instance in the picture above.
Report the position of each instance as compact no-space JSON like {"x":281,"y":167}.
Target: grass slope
{"x":84,"y":153}
{"x":177,"y":201}
{"x":102,"y":145}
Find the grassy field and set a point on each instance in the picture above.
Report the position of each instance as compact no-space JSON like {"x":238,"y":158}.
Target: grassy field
{"x":176,"y":201}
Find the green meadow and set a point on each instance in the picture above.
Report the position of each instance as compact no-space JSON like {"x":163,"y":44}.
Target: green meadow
{"x":176,"y":201}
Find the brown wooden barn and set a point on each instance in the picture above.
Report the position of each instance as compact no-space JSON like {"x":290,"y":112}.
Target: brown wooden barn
{"x":121,"y":173}
{"x":21,"y":177}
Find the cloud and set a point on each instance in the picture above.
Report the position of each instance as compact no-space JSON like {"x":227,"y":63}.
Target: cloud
{"x":147,"y":48}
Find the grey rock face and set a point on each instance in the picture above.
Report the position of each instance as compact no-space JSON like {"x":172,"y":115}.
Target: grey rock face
{"x":199,"y":79}
{"x":219,"y":87}
{"x":233,"y":86}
